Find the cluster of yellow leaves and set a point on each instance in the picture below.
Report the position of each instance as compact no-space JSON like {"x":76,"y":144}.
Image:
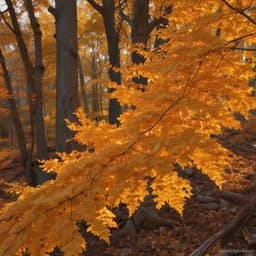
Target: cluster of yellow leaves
{"x":195,"y":84}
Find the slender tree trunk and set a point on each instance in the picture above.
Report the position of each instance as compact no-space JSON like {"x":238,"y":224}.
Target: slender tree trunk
{"x":34,"y":96}
{"x":10,"y":134}
{"x":67,"y":72}
{"x":38,"y":76}
{"x":140,"y":27}
{"x":140,"y":33}
{"x":107,"y":10}
{"x":95,"y":88}
{"x":16,"y":119}
{"x":114,"y":55}
{"x":100,"y":100}
{"x":83,"y":89}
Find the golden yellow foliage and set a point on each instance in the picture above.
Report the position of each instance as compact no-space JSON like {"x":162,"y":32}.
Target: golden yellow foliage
{"x":196,"y":82}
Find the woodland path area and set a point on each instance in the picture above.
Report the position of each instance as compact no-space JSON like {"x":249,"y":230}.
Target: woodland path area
{"x":205,"y":214}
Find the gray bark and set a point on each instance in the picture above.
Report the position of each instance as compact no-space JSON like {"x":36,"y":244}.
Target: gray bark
{"x":141,"y":29}
{"x":38,"y":76}
{"x":15,"y":118}
{"x":67,"y":100}
{"x":34,"y":93}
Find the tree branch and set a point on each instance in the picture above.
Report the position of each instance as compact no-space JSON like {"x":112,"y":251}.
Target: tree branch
{"x":242,"y":217}
{"x":4,"y":11}
{"x":234,"y":41}
{"x":154,"y":23}
{"x":125,"y":17}
{"x":241,"y":12}
{"x":244,"y":49}
{"x":5,"y":20}
{"x":96,"y":6}
{"x":163,"y":20}
{"x":53,"y":11}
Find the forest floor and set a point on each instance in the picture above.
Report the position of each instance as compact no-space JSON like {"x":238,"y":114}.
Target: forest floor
{"x":205,"y":213}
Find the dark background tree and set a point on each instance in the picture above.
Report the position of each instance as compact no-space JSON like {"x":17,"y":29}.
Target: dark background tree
{"x":67,"y":100}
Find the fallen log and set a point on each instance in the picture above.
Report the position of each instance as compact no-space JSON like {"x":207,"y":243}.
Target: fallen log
{"x":232,"y":196}
{"x":242,"y":217}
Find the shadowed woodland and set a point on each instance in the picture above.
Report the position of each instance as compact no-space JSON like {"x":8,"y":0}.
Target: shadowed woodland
{"x":127,"y":127}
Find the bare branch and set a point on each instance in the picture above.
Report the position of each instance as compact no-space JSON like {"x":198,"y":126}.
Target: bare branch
{"x":96,"y":6}
{"x":241,"y":12}
{"x":52,"y":10}
{"x":241,"y":218}
{"x":153,"y":24}
{"x":238,"y":39}
{"x":125,"y":17}
{"x":244,"y":49}
{"x":4,"y":11}
{"x":163,"y":20}
{"x":5,"y":20}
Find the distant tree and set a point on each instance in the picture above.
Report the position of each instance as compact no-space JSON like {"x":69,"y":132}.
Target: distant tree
{"x":33,"y":75}
{"x":142,"y":24}
{"x":15,"y":118}
{"x":108,"y":11}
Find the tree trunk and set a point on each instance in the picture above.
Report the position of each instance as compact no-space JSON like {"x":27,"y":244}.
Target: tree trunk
{"x":42,"y":152}
{"x":95,"y":88}
{"x":114,"y":55}
{"x":140,"y":33}
{"x":34,"y":93}
{"x":67,"y":72}
{"x":16,"y":119}
{"x":10,"y":134}
{"x":140,"y":27}
{"x":83,"y":89}
{"x":107,"y":10}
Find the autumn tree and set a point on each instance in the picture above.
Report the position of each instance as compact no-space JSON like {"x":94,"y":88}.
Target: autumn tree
{"x":97,"y":111}
{"x":38,"y":73}
{"x":83,"y":87}
{"x":107,"y":10}
{"x":192,"y":93}
{"x":92,"y":56}
{"x":34,"y":69}
{"x":15,"y":116}
{"x":142,"y":24}
{"x":33,"y":82}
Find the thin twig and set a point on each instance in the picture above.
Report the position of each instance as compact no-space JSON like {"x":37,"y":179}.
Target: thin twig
{"x":96,"y":6}
{"x":240,"y":11}
{"x":6,"y":22}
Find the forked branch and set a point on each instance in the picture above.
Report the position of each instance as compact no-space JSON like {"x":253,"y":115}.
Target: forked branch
{"x":240,"y":11}
{"x":96,"y":6}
